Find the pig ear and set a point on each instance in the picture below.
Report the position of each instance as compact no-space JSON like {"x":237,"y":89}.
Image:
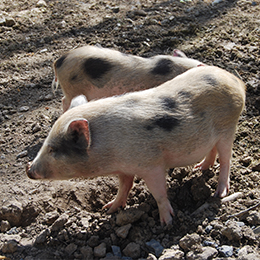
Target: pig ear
{"x":81,"y":127}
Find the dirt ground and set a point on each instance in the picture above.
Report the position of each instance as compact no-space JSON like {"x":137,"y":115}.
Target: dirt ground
{"x":64,"y":219}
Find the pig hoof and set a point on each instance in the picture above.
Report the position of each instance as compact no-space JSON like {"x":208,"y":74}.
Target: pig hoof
{"x":113,"y":205}
{"x":221,"y":193}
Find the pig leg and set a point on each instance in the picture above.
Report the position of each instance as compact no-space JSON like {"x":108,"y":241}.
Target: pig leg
{"x":125,"y":185}
{"x":156,"y":183}
{"x":65,"y":104}
{"x":224,"y":148}
{"x":208,"y":161}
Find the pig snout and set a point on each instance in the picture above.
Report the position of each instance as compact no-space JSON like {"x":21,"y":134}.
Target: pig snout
{"x":31,"y":172}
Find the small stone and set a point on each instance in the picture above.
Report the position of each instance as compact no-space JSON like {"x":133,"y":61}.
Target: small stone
{"x":85,"y":222}
{"x":93,"y":241}
{"x":172,"y":254}
{"x":50,"y":217}
{"x":2,"y":21}
{"x":42,"y":237}
{"x":225,"y":251}
{"x":5,"y":225}
{"x":12,"y":212}
{"x":207,"y":253}
{"x":116,"y":251}
{"x":22,"y":154}
{"x":123,"y":231}
{"x":100,"y":251}
{"x":188,"y":241}
{"x":23,"y":109}
{"x":232,"y":231}
{"x":71,"y":248}
{"x":131,"y":215}
{"x":10,"y":247}
{"x":36,"y":128}
{"x":9,"y":22}
{"x":132,"y":250}
{"x":151,"y":257}
{"x":158,"y":248}
{"x":86,"y":252}
{"x":41,"y":3}
{"x":60,"y":222}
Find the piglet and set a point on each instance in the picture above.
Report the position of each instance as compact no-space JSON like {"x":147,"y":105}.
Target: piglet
{"x":190,"y":118}
{"x":98,"y":72}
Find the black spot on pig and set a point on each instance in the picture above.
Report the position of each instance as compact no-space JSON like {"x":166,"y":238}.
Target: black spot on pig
{"x":166,"y":122}
{"x":96,"y":67}
{"x":163,"y":67}
{"x":60,"y":61}
{"x":209,"y":79}
{"x":168,"y":103}
{"x":71,"y":147}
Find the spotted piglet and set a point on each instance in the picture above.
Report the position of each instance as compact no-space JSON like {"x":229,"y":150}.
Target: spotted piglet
{"x":98,"y":72}
{"x":178,"y":123}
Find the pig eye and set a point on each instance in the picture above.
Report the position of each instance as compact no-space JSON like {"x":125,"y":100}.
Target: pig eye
{"x":50,"y":149}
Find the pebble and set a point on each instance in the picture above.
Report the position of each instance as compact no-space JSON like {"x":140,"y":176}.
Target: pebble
{"x":50,"y":217}
{"x":207,"y":253}
{"x":5,"y":225}
{"x":10,"y":247}
{"x":127,"y":216}
{"x":158,"y":248}
{"x":232,"y":231}
{"x":132,"y":250}
{"x":116,"y":251}
{"x":86,"y":252}
{"x":172,"y":254}
{"x":60,"y":222}
{"x":41,"y":3}
{"x":71,"y":248}
{"x":12,"y":212}
{"x":42,"y":237}
{"x":23,"y":109}
{"x":189,"y":240}
{"x":10,"y":22}
{"x":22,"y":154}
{"x":123,"y":231}
{"x":100,"y":250}
{"x":225,"y":251}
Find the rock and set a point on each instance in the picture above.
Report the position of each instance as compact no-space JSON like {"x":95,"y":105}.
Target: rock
{"x":2,"y":21}
{"x":22,"y":154}
{"x":172,"y":254}
{"x":85,"y":221}
{"x":232,"y":231}
{"x":225,"y":251}
{"x":23,"y":109}
{"x":60,"y":222}
{"x":207,"y":253}
{"x":188,"y":241}
{"x":93,"y":241}
{"x":132,"y":250}
{"x":71,"y":248}
{"x":158,"y":248}
{"x":86,"y":252}
{"x":41,"y":3}
{"x":151,"y":257}
{"x":42,"y":237}
{"x":127,"y":216}
{"x":10,"y":247}
{"x":50,"y":217}
{"x":36,"y":128}
{"x":9,"y":22}
{"x":116,"y":251}
{"x":247,"y":253}
{"x":123,"y":231}
{"x":254,"y":218}
{"x":5,"y":225}
{"x":12,"y":212}
{"x":100,"y":250}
